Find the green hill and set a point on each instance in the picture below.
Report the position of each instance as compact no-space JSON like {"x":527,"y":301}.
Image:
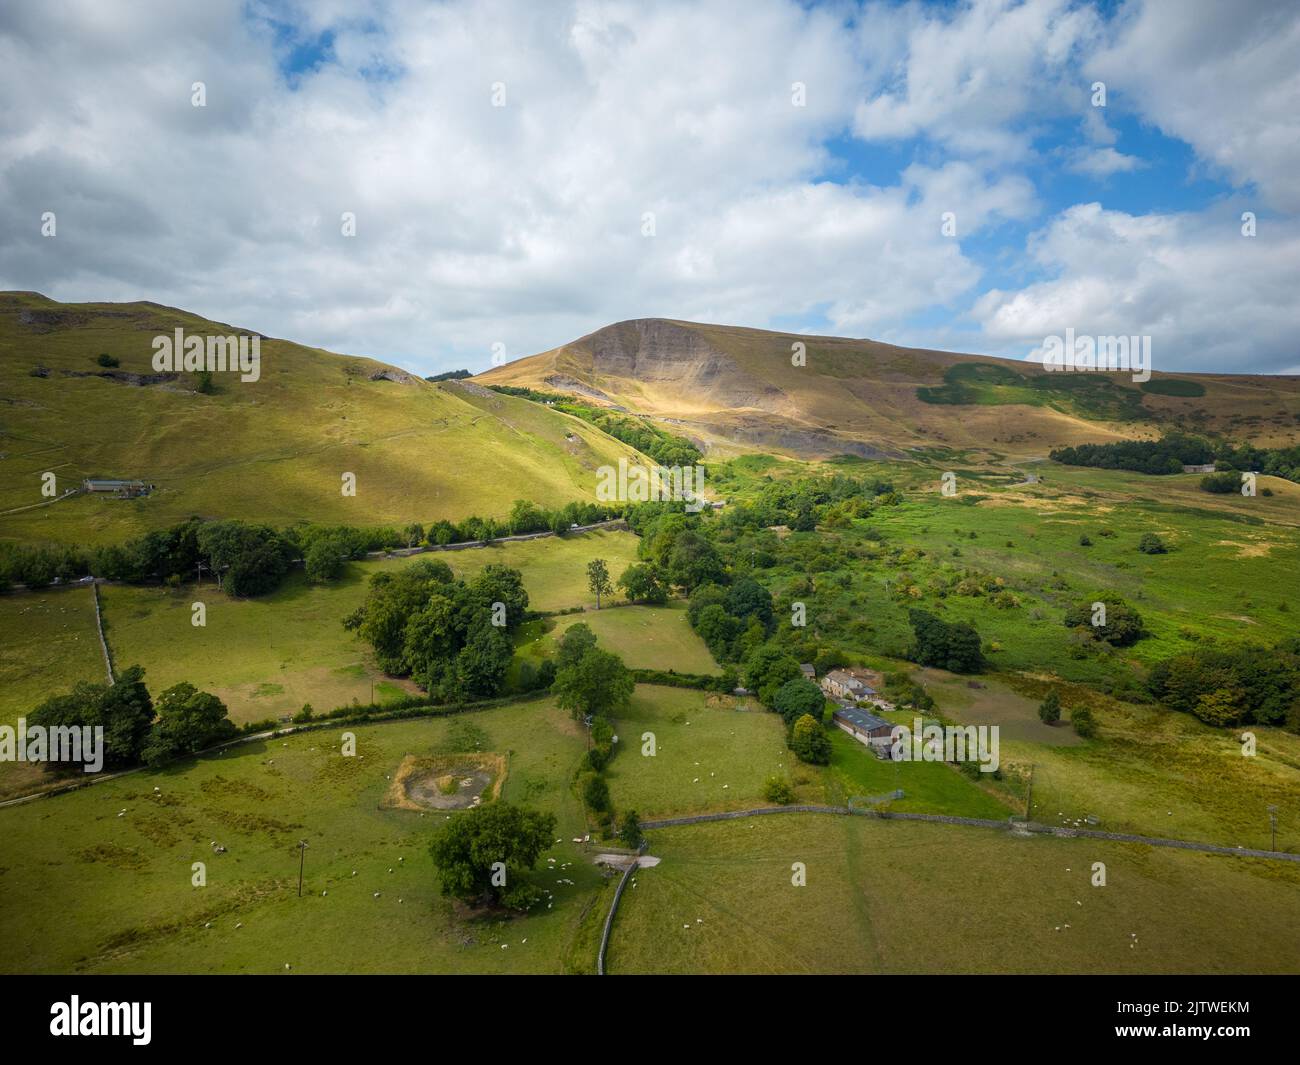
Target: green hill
{"x":274,"y":450}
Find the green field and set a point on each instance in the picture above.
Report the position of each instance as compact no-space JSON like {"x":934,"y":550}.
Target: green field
{"x":48,"y":643}
{"x":715,"y":752}
{"x":263,"y":657}
{"x":108,"y":893}
{"x":895,"y":897}
{"x":712,"y":752}
{"x":554,"y":568}
{"x":1224,"y":577}
{"x":645,"y":637}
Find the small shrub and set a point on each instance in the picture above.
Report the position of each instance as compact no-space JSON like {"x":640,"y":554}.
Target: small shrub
{"x":777,"y":789}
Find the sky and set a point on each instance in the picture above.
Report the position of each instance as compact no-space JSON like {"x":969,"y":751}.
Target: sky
{"x":971,"y":176}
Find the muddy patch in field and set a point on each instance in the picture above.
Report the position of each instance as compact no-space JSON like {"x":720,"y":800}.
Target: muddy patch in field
{"x":446,"y":782}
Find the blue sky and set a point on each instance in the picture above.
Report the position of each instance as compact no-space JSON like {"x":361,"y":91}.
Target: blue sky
{"x":521,"y":174}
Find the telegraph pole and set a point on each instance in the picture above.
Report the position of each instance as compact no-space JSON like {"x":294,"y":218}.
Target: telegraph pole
{"x":1272,"y":822}
{"x":1029,"y":799}
{"x":302,"y":857}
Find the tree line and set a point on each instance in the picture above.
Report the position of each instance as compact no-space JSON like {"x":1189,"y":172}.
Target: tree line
{"x":667,"y":449}
{"x":1174,"y":450}
{"x":137,"y":728}
{"x":250,"y":559}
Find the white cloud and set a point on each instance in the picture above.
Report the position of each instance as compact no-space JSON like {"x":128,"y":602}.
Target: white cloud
{"x":973,"y":77}
{"x":1223,"y":78}
{"x":1101,"y":162}
{"x":1212,"y":299}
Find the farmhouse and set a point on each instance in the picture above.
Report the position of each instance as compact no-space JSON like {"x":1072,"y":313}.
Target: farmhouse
{"x":109,"y":486}
{"x":846,"y":684}
{"x":806,"y":668}
{"x":865,"y":727}
{"x":1205,"y":467}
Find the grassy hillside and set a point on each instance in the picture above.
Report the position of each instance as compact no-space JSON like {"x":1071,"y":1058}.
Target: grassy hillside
{"x":274,"y":450}
{"x":735,"y":388}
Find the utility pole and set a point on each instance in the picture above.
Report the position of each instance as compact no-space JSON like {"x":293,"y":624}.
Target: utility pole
{"x":1272,"y":821}
{"x":1029,"y":799}
{"x":302,"y":857}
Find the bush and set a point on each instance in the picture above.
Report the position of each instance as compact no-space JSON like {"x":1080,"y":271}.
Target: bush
{"x":1151,"y":544}
{"x":1049,"y":710}
{"x":1221,"y":483}
{"x":778,"y":790}
{"x":1082,"y":720}
{"x":107,"y":360}
{"x":1123,"y":625}
{"x":629,"y":830}
{"x":809,"y":741}
{"x":595,"y":792}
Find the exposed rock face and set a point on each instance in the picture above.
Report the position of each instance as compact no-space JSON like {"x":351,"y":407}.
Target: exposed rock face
{"x":565,"y":383}
{"x":653,"y":350}
{"x":810,"y":443}
{"x":396,"y":376}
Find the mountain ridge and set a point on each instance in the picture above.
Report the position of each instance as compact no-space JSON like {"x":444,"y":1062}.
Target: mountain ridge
{"x":736,"y":387}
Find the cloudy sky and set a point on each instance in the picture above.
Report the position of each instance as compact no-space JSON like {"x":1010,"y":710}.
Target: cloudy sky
{"x":935,"y":174}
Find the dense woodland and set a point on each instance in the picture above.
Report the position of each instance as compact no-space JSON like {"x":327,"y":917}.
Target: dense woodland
{"x":1174,"y":450}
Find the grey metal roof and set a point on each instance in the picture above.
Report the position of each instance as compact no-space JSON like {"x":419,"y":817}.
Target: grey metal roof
{"x":862,"y":719}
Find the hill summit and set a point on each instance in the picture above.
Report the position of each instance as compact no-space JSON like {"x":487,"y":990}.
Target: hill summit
{"x":734,"y":388}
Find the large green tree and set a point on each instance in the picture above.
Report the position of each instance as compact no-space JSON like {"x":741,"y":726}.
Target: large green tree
{"x":798,"y":697}
{"x":598,"y":683}
{"x":483,"y":853}
{"x":640,"y":583}
{"x":188,"y":721}
{"x":954,"y":647}
{"x":767,"y":669}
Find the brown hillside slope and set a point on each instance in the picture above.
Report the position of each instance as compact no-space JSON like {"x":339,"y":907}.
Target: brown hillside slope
{"x":736,"y":389}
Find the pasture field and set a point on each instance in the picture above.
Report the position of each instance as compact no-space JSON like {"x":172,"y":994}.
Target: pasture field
{"x":554,"y":567}
{"x":107,"y":893}
{"x":715,"y":752}
{"x":645,"y":637}
{"x":928,"y":787}
{"x":1158,"y":772}
{"x":47,"y":644}
{"x":1150,"y":771}
{"x":899,"y":897}
{"x":712,"y":752}
{"x":267,"y":656}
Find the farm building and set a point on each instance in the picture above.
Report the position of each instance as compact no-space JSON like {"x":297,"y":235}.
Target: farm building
{"x":865,"y":727}
{"x":1205,"y":467}
{"x":110,"y":486}
{"x":806,"y":668}
{"x":845,"y":684}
